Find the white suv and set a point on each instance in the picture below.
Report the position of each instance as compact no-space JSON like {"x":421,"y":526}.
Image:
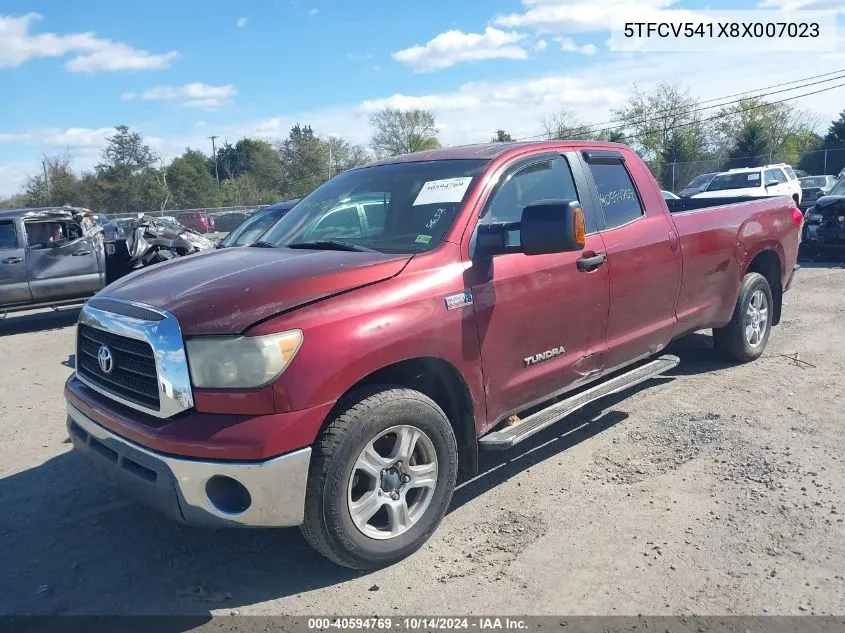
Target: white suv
{"x":755,"y":182}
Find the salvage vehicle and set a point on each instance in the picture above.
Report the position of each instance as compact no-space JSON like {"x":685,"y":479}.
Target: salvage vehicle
{"x":198,"y":221}
{"x":755,"y":182}
{"x":697,"y":185}
{"x":49,"y":257}
{"x":815,"y":187}
{"x":824,"y":225}
{"x":226,"y":222}
{"x":146,"y":240}
{"x":340,"y":373}
{"x":257,"y":224}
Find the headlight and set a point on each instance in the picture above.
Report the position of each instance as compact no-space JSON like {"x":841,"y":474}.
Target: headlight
{"x":240,"y":361}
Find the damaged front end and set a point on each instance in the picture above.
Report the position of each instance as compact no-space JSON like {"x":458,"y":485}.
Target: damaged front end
{"x":824,"y":228}
{"x":145,"y":241}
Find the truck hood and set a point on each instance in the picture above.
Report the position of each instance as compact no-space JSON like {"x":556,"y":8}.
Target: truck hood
{"x":226,"y":291}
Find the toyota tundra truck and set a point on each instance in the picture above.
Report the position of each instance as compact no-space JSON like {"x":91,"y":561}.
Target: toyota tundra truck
{"x":344,"y":371}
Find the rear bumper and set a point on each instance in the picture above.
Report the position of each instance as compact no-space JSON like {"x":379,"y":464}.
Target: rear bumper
{"x":195,"y":491}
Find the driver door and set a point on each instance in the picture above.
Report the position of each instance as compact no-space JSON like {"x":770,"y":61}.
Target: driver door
{"x":542,"y":321}
{"x":13,"y":285}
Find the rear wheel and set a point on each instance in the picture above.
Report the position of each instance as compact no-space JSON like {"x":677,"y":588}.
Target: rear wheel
{"x":381,"y":478}
{"x":745,"y":337}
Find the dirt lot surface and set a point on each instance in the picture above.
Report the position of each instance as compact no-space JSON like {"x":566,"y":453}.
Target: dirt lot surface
{"x":716,"y":490}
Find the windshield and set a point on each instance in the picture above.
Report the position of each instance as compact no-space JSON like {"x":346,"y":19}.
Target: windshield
{"x":814,"y":181}
{"x":252,"y":228}
{"x":699,"y":181}
{"x":742,"y":180}
{"x":395,"y":208}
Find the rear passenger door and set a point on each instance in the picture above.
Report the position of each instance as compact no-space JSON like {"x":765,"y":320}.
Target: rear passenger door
{"x":60,"y":262}
{"x":782,"y":188}
{"x":14,"y":288}
{"x":643,"y":257}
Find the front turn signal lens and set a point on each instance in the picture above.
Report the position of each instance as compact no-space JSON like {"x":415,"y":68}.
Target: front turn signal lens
{"x":579,"y":229}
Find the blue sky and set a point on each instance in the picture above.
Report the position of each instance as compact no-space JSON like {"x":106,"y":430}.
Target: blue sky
{"x":179,"y":71}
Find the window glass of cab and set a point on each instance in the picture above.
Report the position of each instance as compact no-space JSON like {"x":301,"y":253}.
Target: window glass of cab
{"x":617,"y":194}
{"x":549,"y":179}
{"x":8,"y":235}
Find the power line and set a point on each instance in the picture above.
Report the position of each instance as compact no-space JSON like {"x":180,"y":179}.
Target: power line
{"x":593,"y":128}
{"x":749,"y":109}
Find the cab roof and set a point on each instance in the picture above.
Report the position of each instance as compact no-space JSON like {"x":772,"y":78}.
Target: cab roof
{"x":489,"y":151}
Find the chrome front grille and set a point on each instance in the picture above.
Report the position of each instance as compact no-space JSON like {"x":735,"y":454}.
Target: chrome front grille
{"x":134,"y":354}
{"x":132,"y":374}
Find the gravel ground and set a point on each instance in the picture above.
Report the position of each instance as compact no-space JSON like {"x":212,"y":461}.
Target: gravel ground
{"x":714,"y":490}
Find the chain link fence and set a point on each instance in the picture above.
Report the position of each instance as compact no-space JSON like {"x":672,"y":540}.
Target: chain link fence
{"x":218,"y":221}
{"x":675,"y":176}
{"x":212,"y":221}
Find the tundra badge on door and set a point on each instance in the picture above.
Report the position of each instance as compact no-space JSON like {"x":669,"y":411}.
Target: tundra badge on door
{"x":539,"y":358}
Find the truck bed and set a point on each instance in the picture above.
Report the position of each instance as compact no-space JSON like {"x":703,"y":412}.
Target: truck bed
{"x":694,"y":204}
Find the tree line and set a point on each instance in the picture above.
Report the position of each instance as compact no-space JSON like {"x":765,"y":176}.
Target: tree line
{"x":667,"y":126}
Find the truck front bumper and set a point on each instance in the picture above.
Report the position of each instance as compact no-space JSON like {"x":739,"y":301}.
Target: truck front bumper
{"x":269,"y":493}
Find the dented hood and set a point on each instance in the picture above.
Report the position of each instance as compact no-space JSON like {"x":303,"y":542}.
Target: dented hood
{"x":228,"y":290}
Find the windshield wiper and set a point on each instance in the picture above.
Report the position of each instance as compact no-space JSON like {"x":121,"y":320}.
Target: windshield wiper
{"x":332,"y":245}
{"x":263,"y":244}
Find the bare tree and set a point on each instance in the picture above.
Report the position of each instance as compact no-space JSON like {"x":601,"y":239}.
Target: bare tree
{"x":565,"y":125}
{"x":403,"y":131}
{"x":664,"y":123}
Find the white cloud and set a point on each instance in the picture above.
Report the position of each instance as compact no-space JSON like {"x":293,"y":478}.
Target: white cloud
{"x":567,"y":44}
{"x":426,"y":102}
{"x":313,"y":12}
{"x":795,"y":5}
{"x":193,"y":95}
{"x":241,"y":23}
{"x":540,"y":46}
{"x":579,"y":16}
{"x":359,"y":57}
{"x":454,"y":47}
{"x":90,"y":53}
{"x":199,"y":124}
{"x":73,"y":138}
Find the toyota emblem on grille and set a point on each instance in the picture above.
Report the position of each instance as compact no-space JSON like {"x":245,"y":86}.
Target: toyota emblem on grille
{"x":106,"y":360}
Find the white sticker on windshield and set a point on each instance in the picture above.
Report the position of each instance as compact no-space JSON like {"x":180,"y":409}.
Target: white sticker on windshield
{"x":754,"y":176}
{"x":446,"y":190}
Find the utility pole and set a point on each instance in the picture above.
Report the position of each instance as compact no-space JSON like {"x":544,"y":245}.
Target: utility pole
{"x":46,"y":180}
{"x":214,"y":150}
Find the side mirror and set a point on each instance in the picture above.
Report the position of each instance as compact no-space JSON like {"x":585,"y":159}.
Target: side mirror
{"x":552,"y":226}
{"x":771,"y":183}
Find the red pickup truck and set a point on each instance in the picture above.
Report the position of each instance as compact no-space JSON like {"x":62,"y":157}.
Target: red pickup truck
{"x":343,"y":372}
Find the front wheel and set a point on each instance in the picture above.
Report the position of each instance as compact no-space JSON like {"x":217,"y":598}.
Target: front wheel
{"x":381,"y":478}
{"x":745,"y":337}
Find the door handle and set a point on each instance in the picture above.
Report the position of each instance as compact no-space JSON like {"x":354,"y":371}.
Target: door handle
{"x":13,"y":260}
{"x":81,"y":253}
{"x":586,"y":264}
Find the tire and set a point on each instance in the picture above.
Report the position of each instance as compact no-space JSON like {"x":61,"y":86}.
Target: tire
{"x":373,"y":418}
{"x":739,"y":340}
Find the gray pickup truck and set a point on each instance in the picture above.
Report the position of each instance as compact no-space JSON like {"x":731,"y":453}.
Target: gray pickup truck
{"x":49,"y":257}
